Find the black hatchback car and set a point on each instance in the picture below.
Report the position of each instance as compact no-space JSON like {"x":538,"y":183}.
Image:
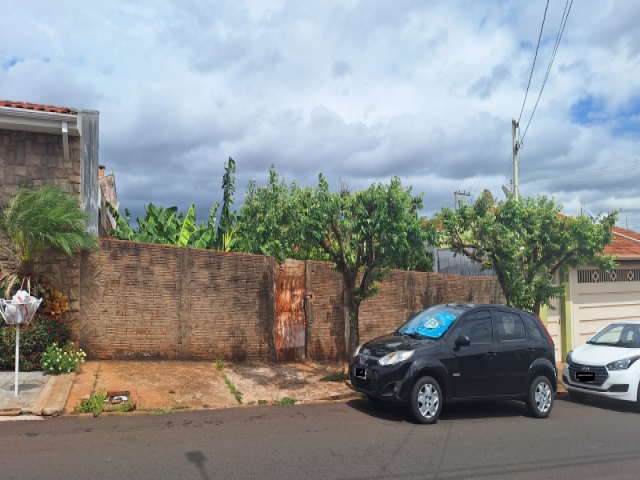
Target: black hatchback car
{"x":458,"y":352}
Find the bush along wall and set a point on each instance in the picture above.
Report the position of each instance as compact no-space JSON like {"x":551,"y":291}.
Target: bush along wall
{"x":45,"y":329}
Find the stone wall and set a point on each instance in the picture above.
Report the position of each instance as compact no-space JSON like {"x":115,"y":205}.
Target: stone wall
{"x":33,"y":160}
{"x":158,"y":301}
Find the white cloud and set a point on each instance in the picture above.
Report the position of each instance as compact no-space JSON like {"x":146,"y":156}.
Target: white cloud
{"x":357,"y":90}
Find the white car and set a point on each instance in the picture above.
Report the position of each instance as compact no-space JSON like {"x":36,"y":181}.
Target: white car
{"x":607,"y":365}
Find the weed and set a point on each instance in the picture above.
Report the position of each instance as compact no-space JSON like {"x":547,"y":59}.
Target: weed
{"x":95,"y":403}
{"x":219,"y":365}
{"x":262,"y":402}
{"x":336,"y":377}
{"x":252,"y":402}
{"x":181,"y":407}
{"x":232,"y":388}
{"x":123,"y":407}
{"x":157,"y":411}
{"x":362,"y":395}
{"x":285,"y":402}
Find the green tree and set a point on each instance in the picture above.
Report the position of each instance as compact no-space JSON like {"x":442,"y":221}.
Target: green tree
{"x":35,"y":222}
{"x":526,"y":243}
{"x":167,"y":226}
{"x":364,"y":233}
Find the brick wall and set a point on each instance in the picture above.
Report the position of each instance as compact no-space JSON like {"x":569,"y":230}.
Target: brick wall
{"x":158,"y":301}
{"x":33,"y":160}
{"x":400,"y":295}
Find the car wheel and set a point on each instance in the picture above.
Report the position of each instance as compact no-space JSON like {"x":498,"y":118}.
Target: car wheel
{"x":540,"y":397}
{"x":425,"y":401}
{"x":577,"y":396}
{"x":637,"y":404}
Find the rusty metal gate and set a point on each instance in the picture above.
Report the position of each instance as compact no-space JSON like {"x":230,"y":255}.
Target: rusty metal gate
{"x":290,"y":311}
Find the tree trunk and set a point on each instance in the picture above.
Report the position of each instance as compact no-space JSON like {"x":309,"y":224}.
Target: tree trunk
{"x":354,"y":329}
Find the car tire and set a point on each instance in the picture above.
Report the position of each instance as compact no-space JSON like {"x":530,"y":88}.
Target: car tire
{"x":636,"y":406}
{"x":540,"y":397}
{"x":425,"y":400}
{"x":578,"y":397}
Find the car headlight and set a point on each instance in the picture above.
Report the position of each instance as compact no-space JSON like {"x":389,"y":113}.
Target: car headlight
{"x":568,"y":359}
{"x":621,"y":364}
{"x":396,"y":357}
{"x":358,"y":350}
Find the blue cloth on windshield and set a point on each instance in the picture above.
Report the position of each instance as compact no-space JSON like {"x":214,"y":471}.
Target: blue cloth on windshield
{"x":434,"y":326}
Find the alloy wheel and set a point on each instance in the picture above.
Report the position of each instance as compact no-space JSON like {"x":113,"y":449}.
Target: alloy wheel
{"x":543,"y":397}
{"x":428,"y":400}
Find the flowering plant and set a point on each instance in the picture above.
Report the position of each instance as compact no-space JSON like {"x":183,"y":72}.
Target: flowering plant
{"x":58,"y":360}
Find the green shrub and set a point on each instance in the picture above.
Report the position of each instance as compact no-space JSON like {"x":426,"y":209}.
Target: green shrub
{"x":58,"y":360}
{"x":35,"y":338}
{"x":95,"y":403}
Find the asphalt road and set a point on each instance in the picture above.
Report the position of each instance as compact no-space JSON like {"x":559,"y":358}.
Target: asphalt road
{"x":356,"y":440}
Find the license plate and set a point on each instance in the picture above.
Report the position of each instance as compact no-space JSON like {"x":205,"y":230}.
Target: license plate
{"x":585,"y":376}
{"x":360,"y":372}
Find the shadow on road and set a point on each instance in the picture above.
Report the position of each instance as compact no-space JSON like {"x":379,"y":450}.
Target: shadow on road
{"x":199,"y":460}
{"x":453,"y":411}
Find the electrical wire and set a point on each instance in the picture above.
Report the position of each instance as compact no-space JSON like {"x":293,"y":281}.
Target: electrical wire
{"x":534,"y":61}
{"x":563,"y":23}
{"x":587,"y":173}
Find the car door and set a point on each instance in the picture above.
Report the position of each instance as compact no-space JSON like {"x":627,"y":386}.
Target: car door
{"x":515,"y":351}
{"x":474,"y":372}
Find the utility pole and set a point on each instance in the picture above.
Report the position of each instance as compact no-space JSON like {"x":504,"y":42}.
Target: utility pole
{"x":516,"y":191}
{"x":458,"y":192}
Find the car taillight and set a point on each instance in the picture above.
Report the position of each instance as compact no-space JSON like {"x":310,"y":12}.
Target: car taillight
{"x":544,"y":329}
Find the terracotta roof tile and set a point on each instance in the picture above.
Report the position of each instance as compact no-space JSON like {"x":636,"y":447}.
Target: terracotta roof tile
{"x":35,"y":106}
{"x":625,"y":243}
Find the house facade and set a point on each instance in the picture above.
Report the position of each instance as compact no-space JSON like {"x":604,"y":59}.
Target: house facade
{"x":593,"y":299}
{"x":41,"y":145}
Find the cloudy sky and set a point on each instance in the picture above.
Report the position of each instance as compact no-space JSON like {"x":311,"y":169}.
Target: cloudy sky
{"x":358,"y":90}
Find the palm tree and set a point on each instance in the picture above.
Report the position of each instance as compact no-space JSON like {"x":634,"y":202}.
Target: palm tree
{"x":33,"y":223}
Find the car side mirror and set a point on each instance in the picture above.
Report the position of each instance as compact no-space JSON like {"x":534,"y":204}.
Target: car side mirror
{"x":463,"y":341}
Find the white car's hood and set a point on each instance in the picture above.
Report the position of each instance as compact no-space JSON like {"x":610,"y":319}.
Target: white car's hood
{"x":601,"y":354}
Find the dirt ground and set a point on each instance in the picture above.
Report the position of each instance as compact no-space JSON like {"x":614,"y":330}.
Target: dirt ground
{"x":170,"y":385}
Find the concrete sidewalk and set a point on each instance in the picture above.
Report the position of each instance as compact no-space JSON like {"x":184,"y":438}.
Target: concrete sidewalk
{"x":169,"y":385}
{"x":38,"y":394}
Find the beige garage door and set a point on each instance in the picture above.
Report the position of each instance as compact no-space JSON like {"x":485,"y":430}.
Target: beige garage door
{"x":599,"y":299}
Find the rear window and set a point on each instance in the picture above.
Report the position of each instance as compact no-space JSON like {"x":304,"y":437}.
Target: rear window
{"x":510,"y":327}
{"x":532,"y":324}
{"x":432,"y":322}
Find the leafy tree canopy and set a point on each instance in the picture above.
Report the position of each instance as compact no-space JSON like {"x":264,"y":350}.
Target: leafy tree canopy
{"x":167,"y":226}
{"x":526,"y":243}
{"x":364,"y":233}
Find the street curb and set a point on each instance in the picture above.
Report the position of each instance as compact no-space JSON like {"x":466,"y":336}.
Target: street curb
{"x":57,"y":399}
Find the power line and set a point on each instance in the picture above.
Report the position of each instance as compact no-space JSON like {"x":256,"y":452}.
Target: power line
{"x":563,"y":23}
{"x":587,"y":173}
{"x":534,"y":61}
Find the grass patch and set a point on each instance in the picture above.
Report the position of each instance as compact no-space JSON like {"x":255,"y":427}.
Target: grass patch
{"x":262,"y":402}
{"x":285,"y":402}
{"x":95,"y":403}
{"x":123,"y":407}
{"x":157,"y":411}
{"x":232,"y":388}
{"x":340,"y":376}
{"x":362,"y":395}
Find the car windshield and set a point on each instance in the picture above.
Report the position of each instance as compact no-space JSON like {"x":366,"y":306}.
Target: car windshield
{"x":430,"y":323}
{"x":618,"y":335}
